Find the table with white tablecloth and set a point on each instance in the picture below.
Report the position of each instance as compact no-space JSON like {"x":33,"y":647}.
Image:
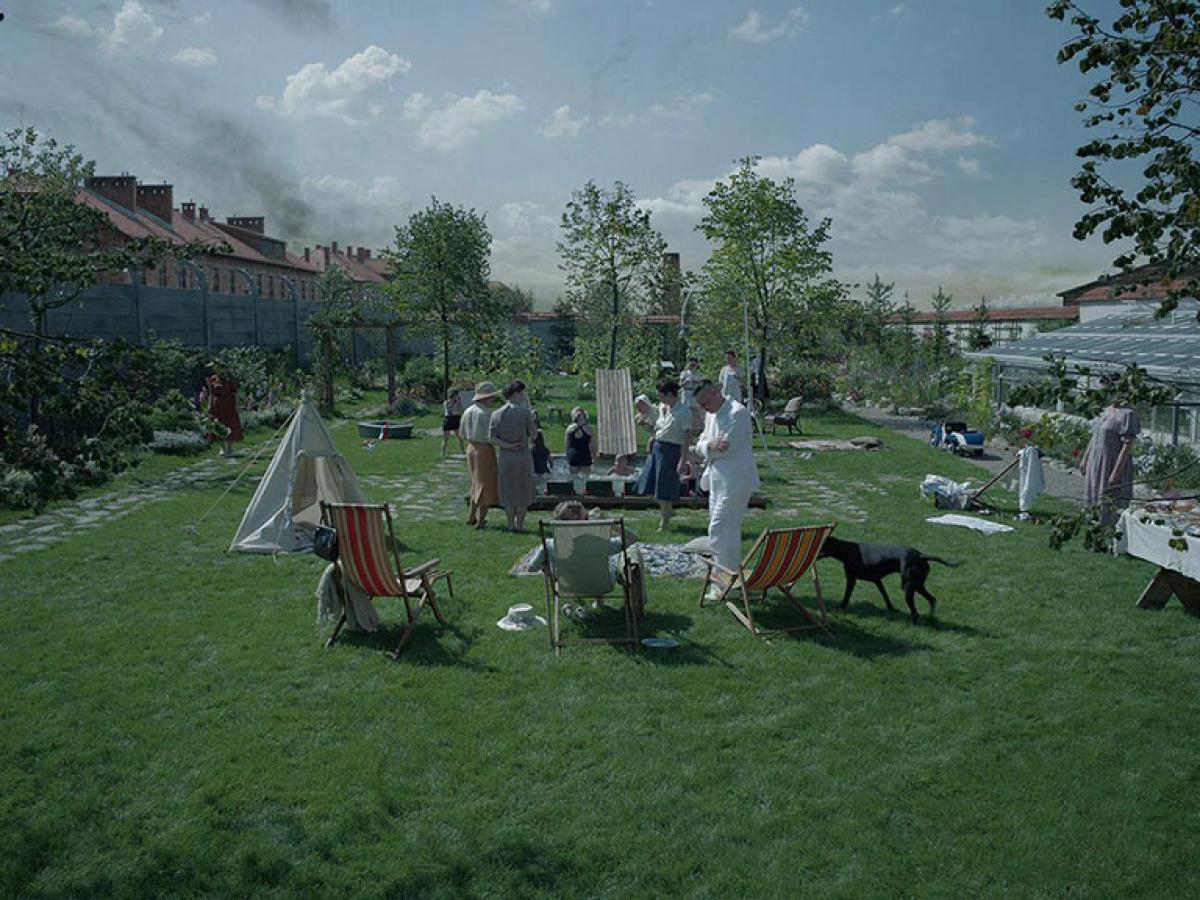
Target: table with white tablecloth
{"x":1169,"y":538}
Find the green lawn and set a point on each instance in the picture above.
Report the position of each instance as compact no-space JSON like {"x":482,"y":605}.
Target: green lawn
{"x":171,"y":726}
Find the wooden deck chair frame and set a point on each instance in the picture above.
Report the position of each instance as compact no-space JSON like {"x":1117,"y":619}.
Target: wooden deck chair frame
{"x":789,"y":418}
{"x":779,"y":558}
{"x":366,"y":539}
{"x":632,"y":602}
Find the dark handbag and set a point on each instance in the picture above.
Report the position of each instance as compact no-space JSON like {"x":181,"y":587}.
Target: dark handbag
{"x":325,"y":543}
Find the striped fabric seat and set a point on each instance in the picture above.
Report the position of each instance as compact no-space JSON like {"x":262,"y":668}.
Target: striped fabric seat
{"x":369,"y":558}
{"x":779,"y":558}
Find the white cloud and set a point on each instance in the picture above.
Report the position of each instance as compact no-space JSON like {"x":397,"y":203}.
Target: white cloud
{"x":134,"y":31}
{"x":985,"y":238}
{"x":561,"y":124}
{"x":416,"y":105}
{"x":462,"y":119}
{"x":683,"y":106}
{"x":538,"y":6}
{"x":202,"y":18}
{"x":891,"y":163}
{"x":899,"y":9}
{"x":73,"y":27}
{"x":940,"y":135}
{"x":754,"y":28}
{"x":315,"y":90}
{"x":969,"y":167}
{"x":196,"y":57}
{"x":526,"y":217}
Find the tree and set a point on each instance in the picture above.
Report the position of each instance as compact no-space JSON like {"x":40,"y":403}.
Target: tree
{"x":440,"y":267}
{"x":612,"y":257}
{"x":510,"y":299}
{"x":877,"y":308}
{"x":980,"y":337}
{"x":1145,"y":99}
{"x":939,"y":339}
{"x":52,"y":247}
{"x":768,"y":257}
{"x":339,"y":309}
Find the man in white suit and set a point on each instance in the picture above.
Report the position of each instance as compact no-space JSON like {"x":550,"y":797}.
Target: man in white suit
{"x":730,"y":473}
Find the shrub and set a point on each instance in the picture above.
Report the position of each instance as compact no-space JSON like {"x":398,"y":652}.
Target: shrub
{"x":422,"y":379}
{"x":1166,"y":466}
{"x":267,"y":416}
{"x":811,"y":381}
{"x":179,"y":443}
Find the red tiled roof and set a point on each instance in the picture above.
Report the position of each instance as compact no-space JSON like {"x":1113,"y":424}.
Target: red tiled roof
{"x":1142,"y":283}
{"x":358,"y":271}
{"x":1014,"y":314}
{"x":138,"y":223}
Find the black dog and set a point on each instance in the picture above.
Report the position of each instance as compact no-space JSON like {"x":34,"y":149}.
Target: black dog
{"x":874,"y":562}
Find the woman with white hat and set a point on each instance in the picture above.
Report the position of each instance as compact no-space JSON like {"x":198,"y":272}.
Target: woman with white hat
{"x":474,"y":428}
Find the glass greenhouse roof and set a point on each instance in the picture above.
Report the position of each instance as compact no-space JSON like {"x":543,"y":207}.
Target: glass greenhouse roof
{"x":1168,"y":348}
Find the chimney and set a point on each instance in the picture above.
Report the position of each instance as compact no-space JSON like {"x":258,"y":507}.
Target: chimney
{"x":362,"y":254}
{"x":307,"y":253}
{"x":333,"y":246}
{"x":367,"y":252}
{"x":326,"y":251}
{"x":257,"y":224}
{"x":204,"y":214}
{"x":156,"y":199}
{"x":120,"y":189}
{"x":188,"y":208}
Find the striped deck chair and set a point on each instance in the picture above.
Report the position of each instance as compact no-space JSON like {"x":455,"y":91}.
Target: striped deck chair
{"x":369,"y":558}
{"x":779,"y":558}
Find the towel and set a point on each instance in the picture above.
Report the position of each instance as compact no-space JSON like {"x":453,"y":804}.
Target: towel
{"x":971,"y":522}
{"x":360,"y":614}
{"x":1031,"y":481}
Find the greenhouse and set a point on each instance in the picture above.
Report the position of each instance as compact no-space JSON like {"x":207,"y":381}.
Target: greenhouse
{"x":1168,"y":348}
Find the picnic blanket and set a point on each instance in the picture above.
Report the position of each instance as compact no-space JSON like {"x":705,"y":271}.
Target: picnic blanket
{"x":858,"y":443}
{"x":657,"y":560}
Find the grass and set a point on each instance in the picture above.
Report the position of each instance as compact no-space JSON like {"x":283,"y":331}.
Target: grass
{"x":171,"y":725}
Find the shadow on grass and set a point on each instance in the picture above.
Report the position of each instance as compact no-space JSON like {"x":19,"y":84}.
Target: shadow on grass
{"x":426,"y":647}
{"x":846,"y":636}
{"x":869,"y":611}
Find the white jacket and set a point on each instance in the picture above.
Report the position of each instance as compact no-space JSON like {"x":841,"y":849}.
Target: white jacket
{"x":732,"y":469}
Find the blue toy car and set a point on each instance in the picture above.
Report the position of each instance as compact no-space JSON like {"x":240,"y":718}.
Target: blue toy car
{"x":957,"y":438}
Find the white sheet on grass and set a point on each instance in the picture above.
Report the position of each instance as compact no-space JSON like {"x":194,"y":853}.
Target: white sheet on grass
{"x":972,"y":522}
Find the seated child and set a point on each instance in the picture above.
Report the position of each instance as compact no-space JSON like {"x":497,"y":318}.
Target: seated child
{"x":623,"y":467}
{"x":541,"y":455}
{"x":574,"y":511}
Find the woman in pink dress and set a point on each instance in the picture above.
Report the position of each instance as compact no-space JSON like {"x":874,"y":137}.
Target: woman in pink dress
{"x":1108,"y":462}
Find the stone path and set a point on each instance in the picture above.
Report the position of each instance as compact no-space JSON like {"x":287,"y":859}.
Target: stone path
{"x":64,"y":522}
{"x":437,"y":492}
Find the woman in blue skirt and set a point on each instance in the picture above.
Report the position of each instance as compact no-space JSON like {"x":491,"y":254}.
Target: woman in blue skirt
{"x":661,"y":475}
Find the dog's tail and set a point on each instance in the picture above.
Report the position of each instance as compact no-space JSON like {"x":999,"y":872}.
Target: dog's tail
{"x":938,"y":559}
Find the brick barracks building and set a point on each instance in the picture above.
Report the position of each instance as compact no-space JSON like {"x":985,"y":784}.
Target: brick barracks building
{"x":254,"y":263}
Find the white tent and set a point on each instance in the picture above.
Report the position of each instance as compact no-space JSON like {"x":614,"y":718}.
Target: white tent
{"x":306,"y":468}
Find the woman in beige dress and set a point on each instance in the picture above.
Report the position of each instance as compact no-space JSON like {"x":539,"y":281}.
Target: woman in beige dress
{"x":513,"y":429}
{"x":474,"y":428}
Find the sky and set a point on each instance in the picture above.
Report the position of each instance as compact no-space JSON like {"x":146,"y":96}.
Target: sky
{"x":937,"y":135}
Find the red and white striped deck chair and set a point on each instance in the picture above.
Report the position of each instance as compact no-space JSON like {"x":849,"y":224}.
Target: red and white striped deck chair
{"x":779,"y":558}
{"x":368,"y":557}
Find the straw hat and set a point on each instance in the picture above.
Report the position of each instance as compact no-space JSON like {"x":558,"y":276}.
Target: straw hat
{"x":521,"y":618}
{"x":486,"y":389}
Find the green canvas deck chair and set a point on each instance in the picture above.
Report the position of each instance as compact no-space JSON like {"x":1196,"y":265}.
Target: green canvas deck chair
{"x":779,"y":558}
{"x":369,"y":558}
{"x":577,"y":566}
